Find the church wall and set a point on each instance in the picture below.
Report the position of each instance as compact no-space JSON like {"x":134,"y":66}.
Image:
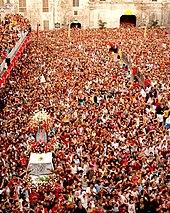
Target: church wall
{"x":89,"y":12}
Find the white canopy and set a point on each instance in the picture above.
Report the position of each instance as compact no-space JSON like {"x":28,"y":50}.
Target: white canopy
{"x":40,"y":164}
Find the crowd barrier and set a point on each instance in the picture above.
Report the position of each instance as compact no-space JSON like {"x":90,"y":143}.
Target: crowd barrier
{"x":126,"y":60}
{"x":140,"y":78}
{"x":13,"y":57}
{"x":139,"y":75}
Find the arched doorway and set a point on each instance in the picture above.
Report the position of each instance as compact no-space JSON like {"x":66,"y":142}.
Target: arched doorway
{"x":75,"y":24}
{"x":128,"y":21}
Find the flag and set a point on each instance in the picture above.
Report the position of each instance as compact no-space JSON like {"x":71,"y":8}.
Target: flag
{"x":145,"y":32}
{"x":69,"y":31}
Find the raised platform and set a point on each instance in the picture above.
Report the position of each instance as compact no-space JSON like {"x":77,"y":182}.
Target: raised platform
{"x":40,"y":164}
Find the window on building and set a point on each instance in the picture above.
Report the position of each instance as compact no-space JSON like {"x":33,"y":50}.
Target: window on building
{"x":1,"y":3}
{"x":57,"y":25}
{"x":154,"y":0}
{"x":46,"y":24}
{"x":22,"y":5}
{"x":45,"y":6}
{"x":75,"y":3}
{"x":75,"y":13}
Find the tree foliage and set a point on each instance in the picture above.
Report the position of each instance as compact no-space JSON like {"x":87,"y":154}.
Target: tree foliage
{"x":102,"y":24}
{"x":154,"y":23}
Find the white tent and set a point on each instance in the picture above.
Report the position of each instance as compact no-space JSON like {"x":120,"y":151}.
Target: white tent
{"x":39,"y":164}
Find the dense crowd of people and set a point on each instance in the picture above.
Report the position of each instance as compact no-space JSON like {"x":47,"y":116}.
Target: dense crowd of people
{"x":113,"y":128}
{"x":11,"y":28}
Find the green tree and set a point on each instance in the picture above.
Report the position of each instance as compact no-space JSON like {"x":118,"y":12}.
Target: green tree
{"x":102,"y":24}
{"x":154,"y":23}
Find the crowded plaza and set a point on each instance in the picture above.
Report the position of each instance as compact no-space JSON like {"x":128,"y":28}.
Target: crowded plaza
{"x":108,"y":128}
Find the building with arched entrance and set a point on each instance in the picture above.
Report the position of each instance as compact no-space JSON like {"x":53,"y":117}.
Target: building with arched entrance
{"x":75,"y":24}
{"x":128,"y":20}
{"x":52,"y":14}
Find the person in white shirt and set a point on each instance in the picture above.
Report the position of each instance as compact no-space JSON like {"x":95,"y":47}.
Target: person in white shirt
{"x":85,"y":168}
{"x":116,"y":206}
{"x":91,"y":190}
{"x":81,"y":167}
{"x":79,"y":150}
{"x":73,"y":168}
{"x":76,"y":160}
{"x":143,"y":93}
{"x":131,"y":207}
{"x":123,"y":197}
{"x":84,"y":200}
{"x":115,"y":144}
{"x":148,"y":89}
{"x":152,"y":149}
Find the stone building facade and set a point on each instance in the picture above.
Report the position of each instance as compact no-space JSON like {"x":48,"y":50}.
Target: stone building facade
{"x":52,"y":14}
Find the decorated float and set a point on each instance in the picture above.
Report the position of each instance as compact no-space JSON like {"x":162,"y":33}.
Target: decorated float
{"x":40,"y":150}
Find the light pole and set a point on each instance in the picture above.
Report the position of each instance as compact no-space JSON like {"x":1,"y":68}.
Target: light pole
{"x":1,"y":12}
{"x":53,"y":14}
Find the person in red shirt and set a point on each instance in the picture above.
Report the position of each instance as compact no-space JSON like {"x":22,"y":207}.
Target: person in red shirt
{"x":147,"y":82}
{"x":135,"y":85}
{"x":134,"y":70}
{"x":55,"y":208}
{"x":97,"y":210}
{"x":33,"y":196}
